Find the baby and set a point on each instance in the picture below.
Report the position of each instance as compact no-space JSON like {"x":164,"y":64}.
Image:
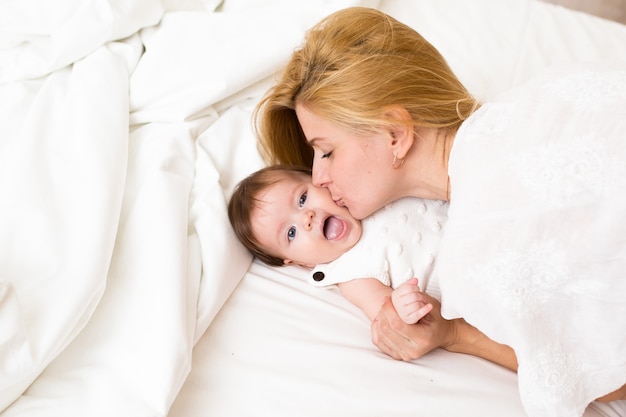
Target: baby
{"x":283,"y":219}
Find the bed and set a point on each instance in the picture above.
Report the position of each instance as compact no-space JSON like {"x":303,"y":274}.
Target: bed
{"x":124,"y":126}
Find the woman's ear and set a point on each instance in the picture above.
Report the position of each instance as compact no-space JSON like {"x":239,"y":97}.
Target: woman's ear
{"x":400,"y":130}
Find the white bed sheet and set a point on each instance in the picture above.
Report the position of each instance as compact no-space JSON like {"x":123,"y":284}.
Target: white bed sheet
{"x":116,"y":254}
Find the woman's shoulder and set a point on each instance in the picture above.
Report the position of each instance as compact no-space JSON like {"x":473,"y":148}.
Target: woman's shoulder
{"x":561,"y":94}
{"x":596,"y":81}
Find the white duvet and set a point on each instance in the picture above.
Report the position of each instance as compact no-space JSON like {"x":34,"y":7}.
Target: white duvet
{"x":118,"y":147}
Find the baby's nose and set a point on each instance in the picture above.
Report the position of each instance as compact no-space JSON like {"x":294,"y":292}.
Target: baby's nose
{"x":308,"y":219}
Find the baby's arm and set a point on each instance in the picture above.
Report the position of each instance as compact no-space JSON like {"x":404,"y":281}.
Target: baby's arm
{"x":368,"y":294}
{"x":410,"y":302}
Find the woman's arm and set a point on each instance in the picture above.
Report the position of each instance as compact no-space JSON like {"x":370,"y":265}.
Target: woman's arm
{"x":411,"y":341}
{"x":619,"y":394}
{"x":406,"y":342}
{"x":471,"y":341}
{"x":403,"y":341}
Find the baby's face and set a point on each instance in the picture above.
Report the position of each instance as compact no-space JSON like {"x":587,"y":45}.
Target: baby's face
{"x":302,"y":224}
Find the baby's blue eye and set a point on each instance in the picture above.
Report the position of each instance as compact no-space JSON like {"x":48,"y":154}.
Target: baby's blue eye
{"x":291,"y":233}
{"x":302,"y":199}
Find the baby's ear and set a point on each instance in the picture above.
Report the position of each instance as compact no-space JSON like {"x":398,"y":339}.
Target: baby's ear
{"x":290,"y":262}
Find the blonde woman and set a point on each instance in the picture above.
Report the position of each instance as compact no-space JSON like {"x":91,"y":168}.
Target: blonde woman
{"x":534,"y":250}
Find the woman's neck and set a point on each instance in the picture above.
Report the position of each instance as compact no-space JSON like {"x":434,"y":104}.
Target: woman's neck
{"x":426,"y":167}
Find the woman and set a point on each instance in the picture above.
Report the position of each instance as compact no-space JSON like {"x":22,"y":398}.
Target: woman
{"x":534,"y":251}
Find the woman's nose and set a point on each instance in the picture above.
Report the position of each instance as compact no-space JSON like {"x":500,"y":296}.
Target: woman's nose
{"x":320,"y":176}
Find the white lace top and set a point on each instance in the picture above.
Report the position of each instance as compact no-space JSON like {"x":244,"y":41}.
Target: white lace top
{"x":534,"y":252}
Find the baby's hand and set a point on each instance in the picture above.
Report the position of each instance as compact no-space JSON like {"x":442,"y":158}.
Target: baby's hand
{"x":410,"y":302}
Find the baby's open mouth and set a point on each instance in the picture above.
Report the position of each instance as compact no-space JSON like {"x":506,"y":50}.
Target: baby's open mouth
{"x":333,"y":228}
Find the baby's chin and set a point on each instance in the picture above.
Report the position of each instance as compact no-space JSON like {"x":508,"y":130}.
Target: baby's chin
{"x":357,"y":231}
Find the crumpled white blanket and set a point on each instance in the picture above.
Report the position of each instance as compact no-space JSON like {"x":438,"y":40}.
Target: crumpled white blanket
{"x":124,"y":124}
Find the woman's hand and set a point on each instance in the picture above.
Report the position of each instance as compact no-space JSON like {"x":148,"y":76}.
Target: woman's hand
{"x":411,"y":341}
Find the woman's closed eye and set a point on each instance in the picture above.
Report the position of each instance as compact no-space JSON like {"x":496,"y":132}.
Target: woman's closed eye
{"x":326,"y":155}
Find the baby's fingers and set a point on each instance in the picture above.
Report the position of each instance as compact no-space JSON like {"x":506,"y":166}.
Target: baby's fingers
{"x":418,"y":314}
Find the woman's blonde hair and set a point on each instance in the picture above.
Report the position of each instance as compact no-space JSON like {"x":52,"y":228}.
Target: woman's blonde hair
{"x":352,"y":65}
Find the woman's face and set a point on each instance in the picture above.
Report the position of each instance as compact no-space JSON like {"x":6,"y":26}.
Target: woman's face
{"x":356,"y":170}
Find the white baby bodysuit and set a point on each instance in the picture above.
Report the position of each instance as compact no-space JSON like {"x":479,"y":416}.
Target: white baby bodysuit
{"x":398,"y":242}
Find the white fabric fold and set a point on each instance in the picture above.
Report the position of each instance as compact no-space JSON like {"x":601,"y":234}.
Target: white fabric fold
{"x":38,"y":37}
{"x":62,"y":174}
